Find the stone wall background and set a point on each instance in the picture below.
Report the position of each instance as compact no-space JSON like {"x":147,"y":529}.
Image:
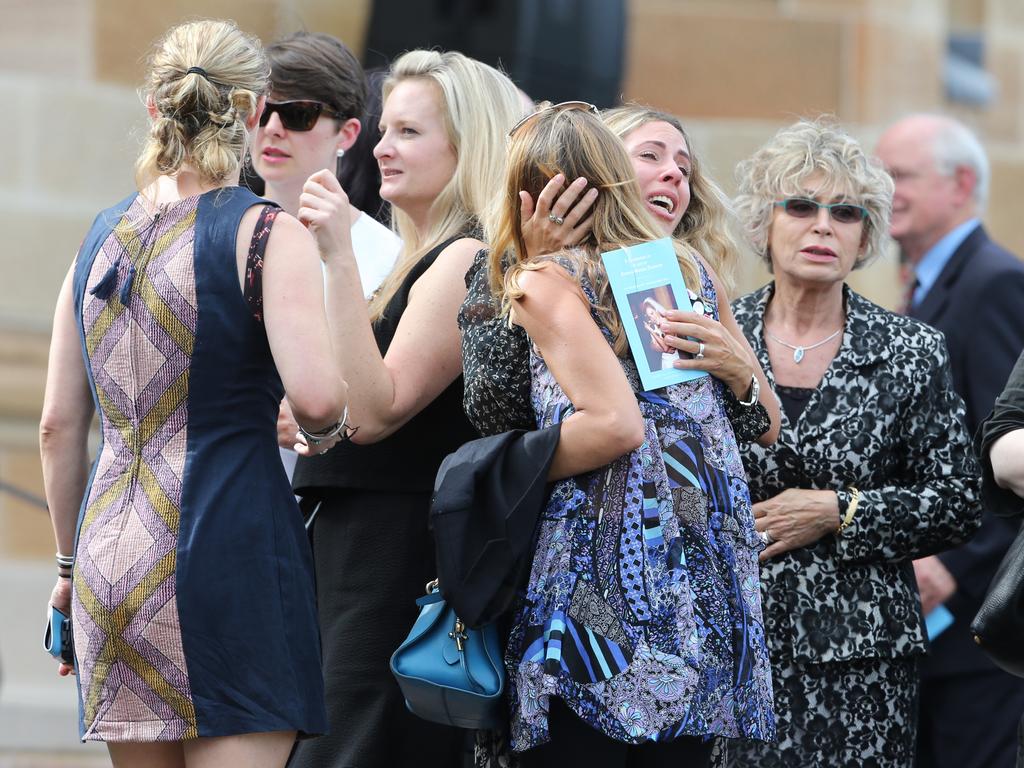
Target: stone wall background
{"x":734,"y":70}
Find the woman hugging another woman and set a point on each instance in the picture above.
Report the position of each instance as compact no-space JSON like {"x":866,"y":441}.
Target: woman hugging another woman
{"x":640,"y":632}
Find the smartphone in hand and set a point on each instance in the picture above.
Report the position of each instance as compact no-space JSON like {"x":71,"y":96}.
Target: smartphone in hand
{"x":57,"y":639}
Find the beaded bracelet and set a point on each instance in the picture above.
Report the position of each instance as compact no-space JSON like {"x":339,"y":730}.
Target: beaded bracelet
{"x":851,"y":510}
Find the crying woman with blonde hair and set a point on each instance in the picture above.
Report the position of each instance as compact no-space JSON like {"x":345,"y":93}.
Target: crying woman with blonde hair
{"x":648,"y":525}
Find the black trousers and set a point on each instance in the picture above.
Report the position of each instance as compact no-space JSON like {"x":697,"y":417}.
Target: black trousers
{"x":573,"y":742}
{"x":373,"y":556}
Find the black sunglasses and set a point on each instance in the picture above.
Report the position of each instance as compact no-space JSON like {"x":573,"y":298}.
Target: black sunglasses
{"x":842,"y":213}
{"x":296,"y":115}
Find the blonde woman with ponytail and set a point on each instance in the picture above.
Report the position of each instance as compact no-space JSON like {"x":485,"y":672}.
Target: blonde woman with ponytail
{"x":182,"y":561}
{"x":444,"y":124}
{"x":639,"y":635}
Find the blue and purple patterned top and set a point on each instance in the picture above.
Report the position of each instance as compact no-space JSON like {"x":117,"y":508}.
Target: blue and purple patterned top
{"x":643,"y":610}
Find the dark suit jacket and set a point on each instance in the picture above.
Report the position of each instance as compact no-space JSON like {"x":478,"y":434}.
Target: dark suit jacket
{"x":978,"y":303}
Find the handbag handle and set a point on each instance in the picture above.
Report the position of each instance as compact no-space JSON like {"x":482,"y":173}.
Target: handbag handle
{"x":458,"y":633}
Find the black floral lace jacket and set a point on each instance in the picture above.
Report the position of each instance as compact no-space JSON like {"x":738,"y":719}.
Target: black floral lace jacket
{"x":886,"y":420}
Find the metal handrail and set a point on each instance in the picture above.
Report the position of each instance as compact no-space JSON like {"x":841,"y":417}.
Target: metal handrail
{"x":23,"y":495}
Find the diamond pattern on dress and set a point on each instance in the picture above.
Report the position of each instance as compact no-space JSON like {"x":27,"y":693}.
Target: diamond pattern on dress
{"x":141,"y":360}
{"x":139,"y":339}
{"x":133,"y":535}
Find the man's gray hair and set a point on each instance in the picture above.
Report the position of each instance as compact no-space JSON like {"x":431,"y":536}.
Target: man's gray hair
{"x":955,"y":145}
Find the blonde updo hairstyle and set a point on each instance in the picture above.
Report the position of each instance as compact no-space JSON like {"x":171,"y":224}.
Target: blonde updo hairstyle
{"x":709,"y":223}
{"x":780,"y":168}
{"x":479,"y":105}
{"x":200,"y":120}
{"x":575,"y":143}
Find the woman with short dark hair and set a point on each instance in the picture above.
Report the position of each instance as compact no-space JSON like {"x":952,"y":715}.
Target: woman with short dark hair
{"x":312,"y":122}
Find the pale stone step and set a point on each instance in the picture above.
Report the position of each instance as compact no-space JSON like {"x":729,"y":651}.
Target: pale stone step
{"x":38,"y":709}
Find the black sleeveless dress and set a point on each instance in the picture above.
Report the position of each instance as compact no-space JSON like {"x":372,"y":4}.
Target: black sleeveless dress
{"x":373,"y":555}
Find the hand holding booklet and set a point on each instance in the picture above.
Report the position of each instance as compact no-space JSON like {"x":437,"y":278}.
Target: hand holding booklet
{"x":646,"y":282}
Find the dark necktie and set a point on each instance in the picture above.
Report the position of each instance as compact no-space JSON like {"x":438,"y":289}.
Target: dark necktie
{"x":908,"y":298}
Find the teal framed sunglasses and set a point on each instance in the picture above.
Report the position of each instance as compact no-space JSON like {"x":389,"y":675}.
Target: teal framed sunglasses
{"x":803,"y":208}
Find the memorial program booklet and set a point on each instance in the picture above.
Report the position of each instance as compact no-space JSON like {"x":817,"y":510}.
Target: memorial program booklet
{"x":645,"y":281}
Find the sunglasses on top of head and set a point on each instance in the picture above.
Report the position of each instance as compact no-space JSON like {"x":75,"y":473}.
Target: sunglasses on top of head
{"x":585,"y":106}
{"x":300,"y":115}
{"x":842,"y":213}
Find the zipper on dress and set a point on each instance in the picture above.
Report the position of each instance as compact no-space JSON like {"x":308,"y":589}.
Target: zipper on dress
{"x":135,"y":441}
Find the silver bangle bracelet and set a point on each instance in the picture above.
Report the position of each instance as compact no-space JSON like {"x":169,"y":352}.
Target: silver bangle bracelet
{"x":65,"y":561}
{"x":755,"y":393}
{"x":317,"y":437}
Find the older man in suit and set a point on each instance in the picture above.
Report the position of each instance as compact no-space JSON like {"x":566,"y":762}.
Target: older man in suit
{"x":970,"y":288}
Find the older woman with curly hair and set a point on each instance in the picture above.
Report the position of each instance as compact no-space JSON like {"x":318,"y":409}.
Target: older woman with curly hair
{"x":873,"y":466}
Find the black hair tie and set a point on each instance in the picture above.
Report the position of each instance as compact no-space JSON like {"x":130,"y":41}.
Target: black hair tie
{"x":198,"y":71}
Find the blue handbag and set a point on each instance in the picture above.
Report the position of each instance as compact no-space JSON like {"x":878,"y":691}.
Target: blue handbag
{"x":449,"y":673}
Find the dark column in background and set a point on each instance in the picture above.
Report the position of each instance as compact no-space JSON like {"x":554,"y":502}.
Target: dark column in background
{"x":553,"y":49}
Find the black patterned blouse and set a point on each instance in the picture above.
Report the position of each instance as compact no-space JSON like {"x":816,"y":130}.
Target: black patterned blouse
{"x":495,"y":360}
{"x":885,"y":419}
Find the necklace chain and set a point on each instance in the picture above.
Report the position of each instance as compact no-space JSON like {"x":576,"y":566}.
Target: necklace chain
{"x":799,"y":350}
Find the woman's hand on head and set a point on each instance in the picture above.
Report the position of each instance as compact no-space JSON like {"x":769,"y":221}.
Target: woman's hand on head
{"x":542,"y":232}
{"x":325,"y":210}
{"x":725,"y":357}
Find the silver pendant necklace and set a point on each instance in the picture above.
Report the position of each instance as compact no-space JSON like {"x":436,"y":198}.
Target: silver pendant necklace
{"x":798,"y":351}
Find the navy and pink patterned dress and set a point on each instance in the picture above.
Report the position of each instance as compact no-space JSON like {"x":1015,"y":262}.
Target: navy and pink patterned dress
{"x":193,"y":607}
{"x":643,"y":610}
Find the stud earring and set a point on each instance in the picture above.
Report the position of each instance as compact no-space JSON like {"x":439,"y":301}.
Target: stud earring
{"x":341,"y":153}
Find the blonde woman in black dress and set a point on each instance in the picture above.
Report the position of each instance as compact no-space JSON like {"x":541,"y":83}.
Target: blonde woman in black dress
{"x":444,"y":122}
